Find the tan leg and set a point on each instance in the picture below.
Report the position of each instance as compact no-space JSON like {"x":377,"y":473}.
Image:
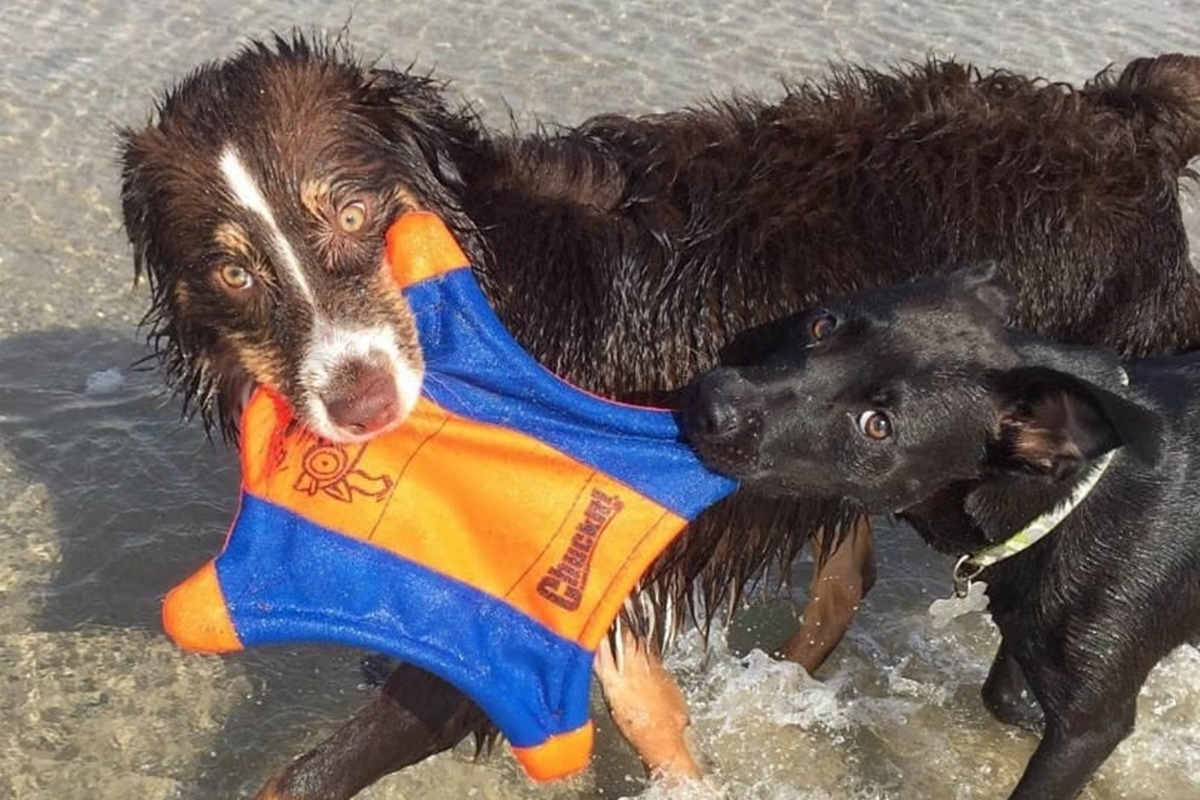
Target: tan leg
{"x":842,"y":578}
{"x":648,"y":709}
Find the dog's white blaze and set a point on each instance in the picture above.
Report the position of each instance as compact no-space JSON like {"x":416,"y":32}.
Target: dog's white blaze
{"x":332,"y":347}
{"x":242,"y":184}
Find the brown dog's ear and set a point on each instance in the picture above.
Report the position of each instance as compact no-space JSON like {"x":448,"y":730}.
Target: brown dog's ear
{"x":1053,"y":423}
{"x":429,"y":137}
{"x":987,"y":284}
{"x":415,"y":113}
{"x":139,"y":149}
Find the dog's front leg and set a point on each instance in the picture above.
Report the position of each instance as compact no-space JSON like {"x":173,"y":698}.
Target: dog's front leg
{"x":648,"y":708}
{"x":1088,"y":712}
{"x":1072,"y":750}
{"x":1006,"y":693}
{"x":841,"y":579}
{"x":415,"y":716}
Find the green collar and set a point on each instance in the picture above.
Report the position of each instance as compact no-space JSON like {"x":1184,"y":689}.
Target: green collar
{"x":969,"y":566}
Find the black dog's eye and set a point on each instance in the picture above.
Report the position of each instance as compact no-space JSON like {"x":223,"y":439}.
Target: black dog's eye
{"x":875,"y":425}
{"x":352,"y":217}
{"x":821,"y":326}
{"x":235,"y":278}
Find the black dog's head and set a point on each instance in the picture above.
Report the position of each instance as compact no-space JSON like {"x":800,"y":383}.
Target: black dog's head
{"x":256,"y":201}
{"x":891,"y":395}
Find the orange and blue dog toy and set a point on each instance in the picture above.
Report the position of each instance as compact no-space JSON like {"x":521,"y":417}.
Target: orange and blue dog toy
{"x":491,"y":539}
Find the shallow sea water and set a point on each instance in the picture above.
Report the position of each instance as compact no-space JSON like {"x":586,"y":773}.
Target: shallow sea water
{"x":107,"y":500}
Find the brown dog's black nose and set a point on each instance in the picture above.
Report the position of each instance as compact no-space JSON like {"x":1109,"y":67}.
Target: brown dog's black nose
{"x":365,"y":400}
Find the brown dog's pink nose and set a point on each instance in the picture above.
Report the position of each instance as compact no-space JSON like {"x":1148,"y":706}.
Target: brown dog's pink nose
{"x":367,"y":401}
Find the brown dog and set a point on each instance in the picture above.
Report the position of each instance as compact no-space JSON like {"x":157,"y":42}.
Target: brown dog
{"x":623,"y":254}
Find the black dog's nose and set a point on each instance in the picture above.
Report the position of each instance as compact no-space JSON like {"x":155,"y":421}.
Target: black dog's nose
{"x":710,"y":409}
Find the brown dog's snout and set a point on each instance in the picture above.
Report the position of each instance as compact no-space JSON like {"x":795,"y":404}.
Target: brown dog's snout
{"x":363,"y":399}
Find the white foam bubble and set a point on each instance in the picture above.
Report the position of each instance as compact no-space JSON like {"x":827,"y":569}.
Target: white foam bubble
{"x":775,"y":691}
{"x":103,"y":382}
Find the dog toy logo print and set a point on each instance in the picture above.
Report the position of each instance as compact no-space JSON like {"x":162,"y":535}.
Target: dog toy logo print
{"x":330,"y":468}
{"x":564,"y":583}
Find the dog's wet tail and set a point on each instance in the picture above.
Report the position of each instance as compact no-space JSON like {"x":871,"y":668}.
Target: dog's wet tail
{"x":1164,"y":92}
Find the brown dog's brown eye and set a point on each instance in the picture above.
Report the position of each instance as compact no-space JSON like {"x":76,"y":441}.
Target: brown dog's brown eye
{"x":875,"y":425}
{"x":822,"y":326}
{"x":352,"y":217}
{"x":235,"y":277}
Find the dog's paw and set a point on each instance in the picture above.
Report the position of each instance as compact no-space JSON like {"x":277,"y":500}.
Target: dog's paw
{"x":1017,"y":708}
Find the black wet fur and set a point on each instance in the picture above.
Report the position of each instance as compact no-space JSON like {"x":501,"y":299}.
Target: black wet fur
{"x":987,"y":428}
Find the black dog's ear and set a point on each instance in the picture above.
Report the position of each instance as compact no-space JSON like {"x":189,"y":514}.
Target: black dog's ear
{"x":1098,"y":365}
{"x":1053,"y":423}
{"x":987,"y":284}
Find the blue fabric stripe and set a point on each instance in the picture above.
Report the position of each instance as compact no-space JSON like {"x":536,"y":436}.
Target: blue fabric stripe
{"x":477,"y":370}
{"x":288,"y":580}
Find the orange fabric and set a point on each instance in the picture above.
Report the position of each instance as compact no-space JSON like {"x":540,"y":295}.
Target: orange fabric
{"x":545,"y":761}
{"x":195,"y":615}
{"x":419,"y":248}
{"x":441,"y":501}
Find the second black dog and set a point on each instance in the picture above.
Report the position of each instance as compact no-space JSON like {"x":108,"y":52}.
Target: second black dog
{"x":917,"y":399}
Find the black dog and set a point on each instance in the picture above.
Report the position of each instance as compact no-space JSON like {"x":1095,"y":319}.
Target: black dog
{"x":916,"y":399}
{"x":623,"y":254}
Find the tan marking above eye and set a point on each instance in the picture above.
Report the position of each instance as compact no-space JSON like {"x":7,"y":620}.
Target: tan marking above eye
{"x":235,"y":277}
{"x":314,"y":195}
{"x":352,"y":217}
{"x":406,"y":199}
{"x":232,"y":237}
